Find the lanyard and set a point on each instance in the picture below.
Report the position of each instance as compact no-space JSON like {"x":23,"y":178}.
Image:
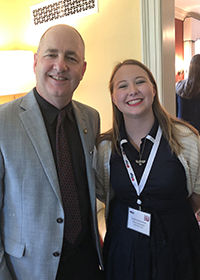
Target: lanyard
{"x":139,"y":188}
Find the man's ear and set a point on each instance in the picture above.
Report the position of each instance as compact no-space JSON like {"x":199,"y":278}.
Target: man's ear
{"x":84,"y":69}
{"x":35,"y":61}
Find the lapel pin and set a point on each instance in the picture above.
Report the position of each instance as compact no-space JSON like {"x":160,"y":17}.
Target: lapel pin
{"x":85,"y":130}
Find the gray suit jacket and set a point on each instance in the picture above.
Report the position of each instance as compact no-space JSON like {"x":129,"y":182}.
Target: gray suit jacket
{"x":30,"y":199}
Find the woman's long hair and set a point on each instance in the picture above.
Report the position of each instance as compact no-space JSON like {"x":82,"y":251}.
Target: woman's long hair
{"x":190,"y":87}
{"x":165,"y":120}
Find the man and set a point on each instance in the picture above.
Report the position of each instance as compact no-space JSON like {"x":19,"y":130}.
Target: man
{"x":33,"y":243}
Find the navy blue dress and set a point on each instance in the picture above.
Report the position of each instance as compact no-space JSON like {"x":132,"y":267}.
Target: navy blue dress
{"x":172,"y":251}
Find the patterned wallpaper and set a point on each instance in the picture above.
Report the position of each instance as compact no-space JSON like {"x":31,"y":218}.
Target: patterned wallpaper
{"x":61,"y":9}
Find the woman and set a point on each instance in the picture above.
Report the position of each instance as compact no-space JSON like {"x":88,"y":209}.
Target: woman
{"x":151,"y":160}
{"x":188,"y":95}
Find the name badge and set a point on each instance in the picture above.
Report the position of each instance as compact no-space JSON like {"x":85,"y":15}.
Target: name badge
{"x":139,"y":221}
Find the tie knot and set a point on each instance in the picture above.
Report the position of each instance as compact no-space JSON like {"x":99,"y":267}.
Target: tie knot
{"x":61,"y":116}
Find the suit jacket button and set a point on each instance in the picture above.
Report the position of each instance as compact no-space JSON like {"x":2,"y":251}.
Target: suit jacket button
{"x":56,"y":254}
{"x":60,"y":220}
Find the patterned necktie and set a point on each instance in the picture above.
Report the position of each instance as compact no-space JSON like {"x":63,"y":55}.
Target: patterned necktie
{"x":67,"y":183}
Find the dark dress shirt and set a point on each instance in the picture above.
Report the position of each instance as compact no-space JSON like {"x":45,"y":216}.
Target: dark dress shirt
{"x":73,"y":255}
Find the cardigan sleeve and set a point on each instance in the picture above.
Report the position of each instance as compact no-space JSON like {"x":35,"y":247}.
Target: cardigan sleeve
{"x":101,"y":164}
{"x":190,"y":158}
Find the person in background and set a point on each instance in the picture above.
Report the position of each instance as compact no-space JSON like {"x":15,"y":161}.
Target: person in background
{"x":39,"y":236}
{"x":188,"y":95}
{"x":198,"y":217}
{"x":148,"y":175}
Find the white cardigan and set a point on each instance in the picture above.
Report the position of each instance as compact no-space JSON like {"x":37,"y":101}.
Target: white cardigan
{"x":189,"y":157}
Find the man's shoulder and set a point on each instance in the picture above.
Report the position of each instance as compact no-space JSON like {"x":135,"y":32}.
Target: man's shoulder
{"x":16,"y":102}
{"x":10,"y":107}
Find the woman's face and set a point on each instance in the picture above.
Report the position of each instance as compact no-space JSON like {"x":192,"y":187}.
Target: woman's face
{"x":133,"y":92}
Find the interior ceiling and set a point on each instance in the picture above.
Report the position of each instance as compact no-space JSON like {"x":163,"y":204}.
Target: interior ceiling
{"x":188,"y":5}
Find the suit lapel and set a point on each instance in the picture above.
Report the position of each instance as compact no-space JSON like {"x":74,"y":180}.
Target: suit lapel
{"x":32,"y":120}
{"x":87,"y":138}
{"x":85,"y":131}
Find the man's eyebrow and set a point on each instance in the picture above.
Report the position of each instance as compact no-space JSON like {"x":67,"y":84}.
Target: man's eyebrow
{"x":51,"y":51}
{"x":71,"y":53}
{"x":67,"y":53}
{"x":56,"y":51}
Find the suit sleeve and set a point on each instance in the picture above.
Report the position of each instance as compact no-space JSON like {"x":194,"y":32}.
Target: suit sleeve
{"x":4,"y":272}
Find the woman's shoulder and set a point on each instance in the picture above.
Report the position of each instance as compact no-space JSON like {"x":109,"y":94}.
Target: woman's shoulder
{"x":186,"y":135}
{"x":181,"y":88}
{"x":180,"y":85}
{"x":183,"y":128}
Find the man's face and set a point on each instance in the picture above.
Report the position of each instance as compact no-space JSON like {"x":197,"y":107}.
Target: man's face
{"x":59,"y":65}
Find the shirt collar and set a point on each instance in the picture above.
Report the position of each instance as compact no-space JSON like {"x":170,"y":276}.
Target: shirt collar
{"x":150,"y":136}
{"x":152,"y":133}
{"x":50,"y":112}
